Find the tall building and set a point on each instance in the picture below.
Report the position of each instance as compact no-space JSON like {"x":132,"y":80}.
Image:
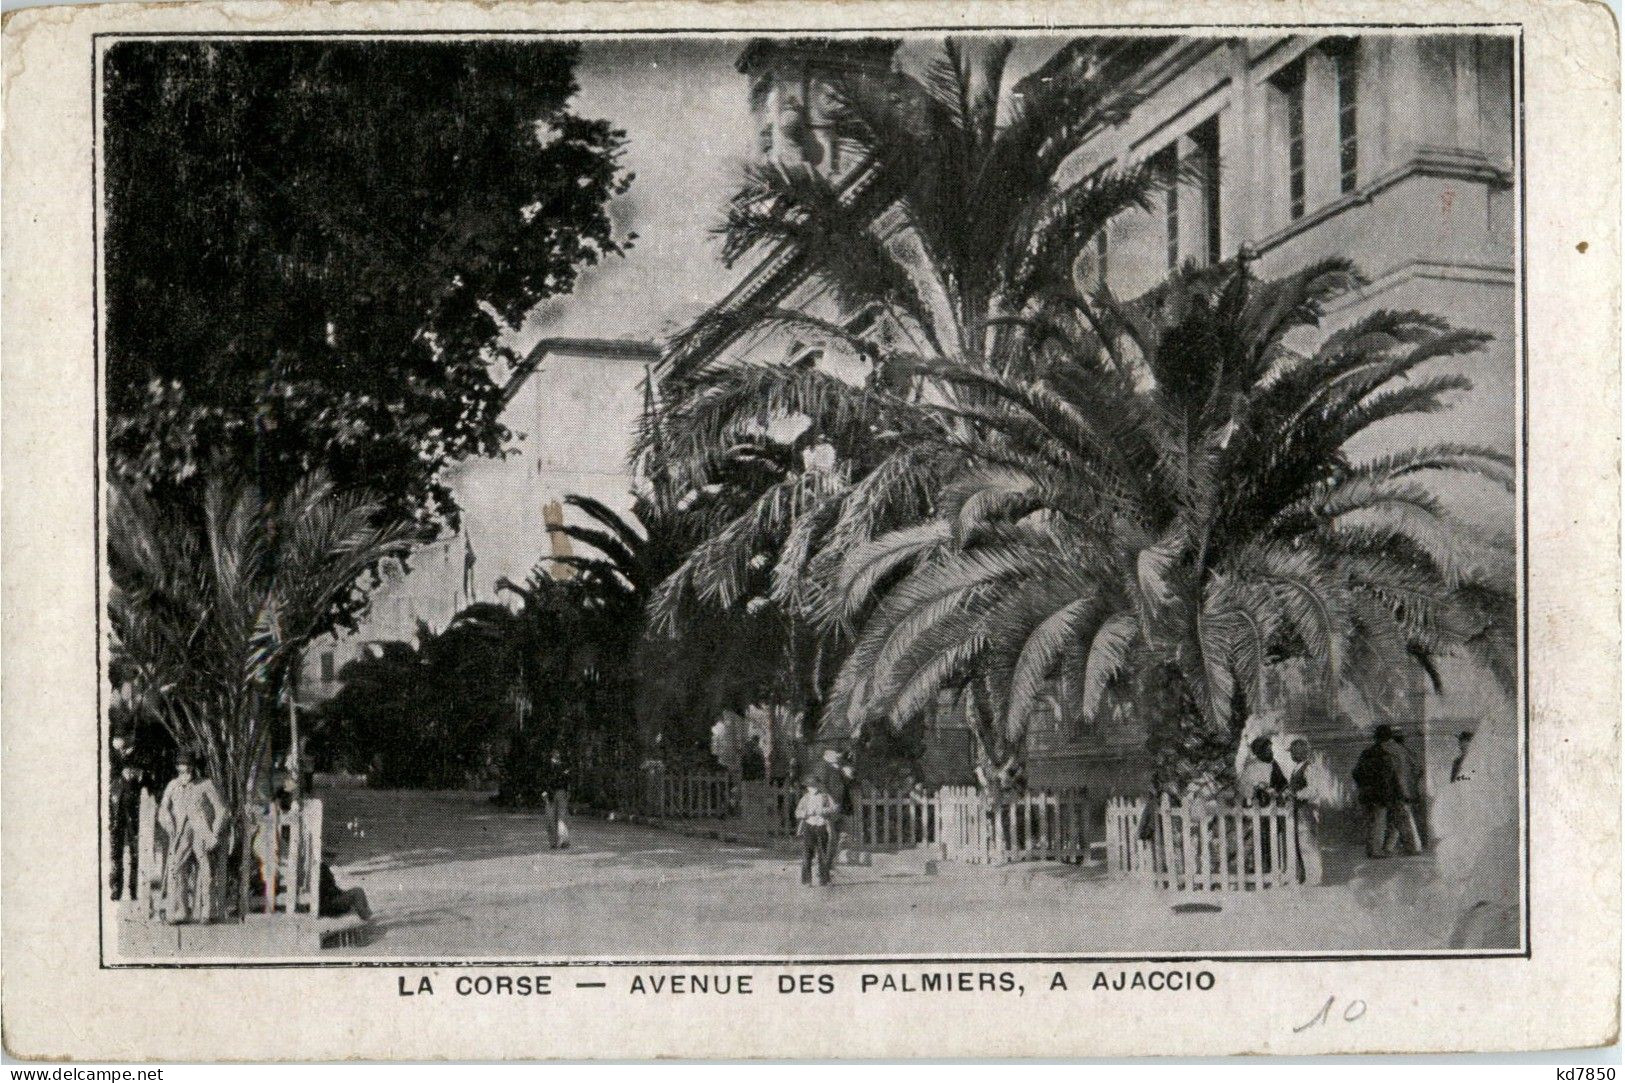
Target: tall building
{"x":573,"y":405}
{"x":1395,"y":151}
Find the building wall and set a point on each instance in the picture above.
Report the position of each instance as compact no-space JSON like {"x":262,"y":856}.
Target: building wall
{"x":573,"y":417}
{"x":1429,"y":222}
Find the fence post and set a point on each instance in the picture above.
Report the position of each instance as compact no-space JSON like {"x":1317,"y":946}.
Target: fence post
{"x":313,"y":871}
{"x":146,"y":858}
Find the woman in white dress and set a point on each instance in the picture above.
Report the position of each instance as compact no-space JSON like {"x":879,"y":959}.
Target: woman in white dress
{"x":1309,"y":786}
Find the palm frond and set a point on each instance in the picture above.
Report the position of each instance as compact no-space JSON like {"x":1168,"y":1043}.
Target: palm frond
{"x":1043,"y":649}
{"x":1110,"y":654}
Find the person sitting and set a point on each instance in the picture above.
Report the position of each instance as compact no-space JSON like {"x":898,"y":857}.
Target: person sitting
{"x":336,"y":902}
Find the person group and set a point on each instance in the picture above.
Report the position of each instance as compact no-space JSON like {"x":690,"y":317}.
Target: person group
{"x":1389,"y":782}
{"x":1263,"y":780}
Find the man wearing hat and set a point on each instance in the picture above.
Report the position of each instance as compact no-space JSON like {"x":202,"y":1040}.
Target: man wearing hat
{"x":813,"y":813}
{"x":124,"y":814}
{"x":1383,"y":777}
{"x":190,"y":816}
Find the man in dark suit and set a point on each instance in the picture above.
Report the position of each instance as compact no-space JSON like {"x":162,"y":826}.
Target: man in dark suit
{"x":124,"y":814}
{"x":1387,"y":785}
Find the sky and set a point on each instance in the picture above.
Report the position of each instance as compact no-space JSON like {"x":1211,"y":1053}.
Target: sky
{"x":686,"y":112}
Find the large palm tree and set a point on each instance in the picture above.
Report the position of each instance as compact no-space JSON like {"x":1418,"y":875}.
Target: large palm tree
{"x":210,"y":614}
{"x":950,"y":242}
{"x":1172,"y":506}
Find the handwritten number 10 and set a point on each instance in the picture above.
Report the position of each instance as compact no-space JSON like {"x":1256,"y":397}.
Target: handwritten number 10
{"x":1351,"y":1012}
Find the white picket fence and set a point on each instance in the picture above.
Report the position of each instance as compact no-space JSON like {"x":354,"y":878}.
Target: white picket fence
{"x":1038,"y":825}
{"x":654,"y":791}
{"x":957,"y":820}
{"x":1206,"y":846}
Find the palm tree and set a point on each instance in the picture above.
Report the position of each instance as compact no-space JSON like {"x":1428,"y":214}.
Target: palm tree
{"x":950,"y":242}
{"x":1172,"y":506}
{"x":682,"y":676}
{"x":210,"y":618}
{"x":630,"y":555}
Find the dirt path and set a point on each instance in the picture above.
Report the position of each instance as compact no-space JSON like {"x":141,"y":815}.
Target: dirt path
{"x":451,"y":876}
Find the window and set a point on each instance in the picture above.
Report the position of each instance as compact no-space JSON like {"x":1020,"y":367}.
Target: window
{"x":1290,"y":83}
{"x":1167,"y":161}
{"x":1205,"y":140}
{"x":327,"y":666}
{"x":1345,"y":58}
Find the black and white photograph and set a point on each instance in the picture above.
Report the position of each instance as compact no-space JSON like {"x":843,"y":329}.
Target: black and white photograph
{"x":710,"y":497}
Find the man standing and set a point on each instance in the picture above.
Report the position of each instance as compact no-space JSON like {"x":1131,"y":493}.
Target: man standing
{"x":813,"y":814}
{"x":1403,"y":822}
{"x":124,"y":815}
{"x":1262,"y":779}
{"x":837,"y":783}
{"x":1383,"y":777}
{"x":190,"y":816}
{"x":1307,"y":790}
{"x":558,"y":801}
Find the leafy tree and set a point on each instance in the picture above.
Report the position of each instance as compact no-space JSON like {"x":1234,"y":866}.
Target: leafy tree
{"x":1164,"y":511}
{"x":208,"y":627}
{"x":437,"y":713}
{"x":314,"y":248}
{"x":565,"y":666}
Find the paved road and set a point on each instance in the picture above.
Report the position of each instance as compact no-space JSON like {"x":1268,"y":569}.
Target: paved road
{"x":451,"y":876}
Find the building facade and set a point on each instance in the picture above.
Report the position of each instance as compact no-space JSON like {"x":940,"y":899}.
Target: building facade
{"x":573,"y":405}
{"x":1394,"y":151}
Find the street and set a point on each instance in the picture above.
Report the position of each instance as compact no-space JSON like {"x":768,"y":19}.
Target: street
{"x":450,"y":875}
